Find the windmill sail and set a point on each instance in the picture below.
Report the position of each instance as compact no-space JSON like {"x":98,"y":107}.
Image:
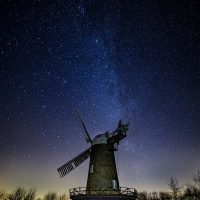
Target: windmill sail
{"x":83,"y":128}
{"x":119,"y":133}
{"x":72,"y":164}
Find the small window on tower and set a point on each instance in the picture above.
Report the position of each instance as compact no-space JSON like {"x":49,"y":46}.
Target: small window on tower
{"x":91,"y":169}
{"x":114,"y":184}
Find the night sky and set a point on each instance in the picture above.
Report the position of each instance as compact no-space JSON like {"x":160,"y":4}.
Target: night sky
{"x":132,"y":60}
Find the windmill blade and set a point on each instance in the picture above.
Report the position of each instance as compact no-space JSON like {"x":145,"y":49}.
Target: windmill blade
{"x":72,"y":164}
{"x":119,"y":133}
{"x":83,"y":128}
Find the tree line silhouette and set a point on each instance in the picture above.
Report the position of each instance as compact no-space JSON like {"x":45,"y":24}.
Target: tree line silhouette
{"x":191,"y":191}
{"x":22,"y":194}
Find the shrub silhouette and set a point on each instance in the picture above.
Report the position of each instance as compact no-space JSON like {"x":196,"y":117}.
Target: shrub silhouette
{"x":4,"y":195}
{"x":196,"y":179}
{"x":19,"y":194}
{"x":50,"y":196}
{"x":164,"y":196}
{"x":174,"y":188}
{"x":31,"y":194}
{"x":142,"y":196}
{"x":62,"y":197}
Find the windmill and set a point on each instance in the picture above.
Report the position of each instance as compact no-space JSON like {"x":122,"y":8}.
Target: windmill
{"x":102,"y":174}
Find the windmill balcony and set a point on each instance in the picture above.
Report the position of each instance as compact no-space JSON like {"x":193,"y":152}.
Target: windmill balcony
{"x":83,"y":193}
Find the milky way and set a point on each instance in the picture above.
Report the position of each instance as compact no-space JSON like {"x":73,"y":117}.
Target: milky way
{"x":131,"y":60}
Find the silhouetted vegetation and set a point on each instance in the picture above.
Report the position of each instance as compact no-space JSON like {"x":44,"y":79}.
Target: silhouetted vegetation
{"x":4,"y":195}
{"x":189,"y":192}
{"x":31,"y":194}
{"x":174,"y":188}
{"x":50,"y":196}
{"x":22,"y":194}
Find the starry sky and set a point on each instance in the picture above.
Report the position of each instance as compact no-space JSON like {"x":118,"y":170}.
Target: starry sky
{"x":132,"y":60}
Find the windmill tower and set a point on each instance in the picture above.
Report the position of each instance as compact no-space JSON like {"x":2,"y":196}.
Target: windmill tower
{"x":102,"y":179}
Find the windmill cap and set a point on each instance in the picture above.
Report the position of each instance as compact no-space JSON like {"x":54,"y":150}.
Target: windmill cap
{"x":101,"y":139}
